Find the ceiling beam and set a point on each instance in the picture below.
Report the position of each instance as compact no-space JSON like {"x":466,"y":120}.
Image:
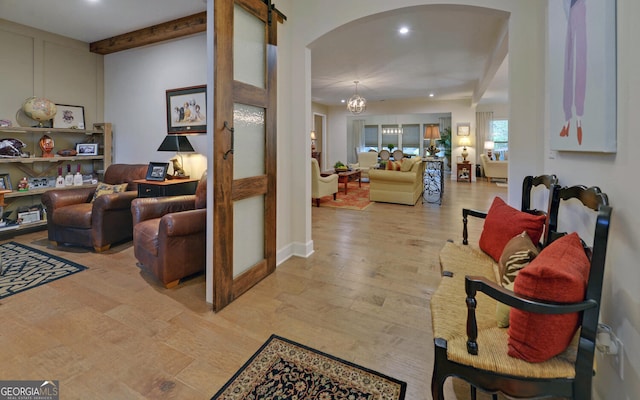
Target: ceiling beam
{"x":494,"y":62}
{"x":177,"y":28}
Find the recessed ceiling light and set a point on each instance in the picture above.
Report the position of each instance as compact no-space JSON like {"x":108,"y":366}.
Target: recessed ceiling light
{"x":403,"y":30}
{"x":343,"y":101}
{"x":431,"y":94}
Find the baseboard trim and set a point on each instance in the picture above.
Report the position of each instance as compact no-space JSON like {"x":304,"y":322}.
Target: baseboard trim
{"x":294,"y":249}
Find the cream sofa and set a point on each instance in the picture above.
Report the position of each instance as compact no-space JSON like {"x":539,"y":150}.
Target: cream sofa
{"x":366,"y":160}
{"x":494,"y":169}
{"x":397,"y":186}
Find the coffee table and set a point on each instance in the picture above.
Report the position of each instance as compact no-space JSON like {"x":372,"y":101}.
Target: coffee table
{"x":349,"y":176}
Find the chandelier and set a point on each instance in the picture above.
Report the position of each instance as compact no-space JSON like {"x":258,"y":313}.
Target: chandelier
{"x":356,"y":103}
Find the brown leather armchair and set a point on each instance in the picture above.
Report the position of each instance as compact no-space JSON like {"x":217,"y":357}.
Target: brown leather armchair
{"x":169,"y":234}
{"x":73,"y":219}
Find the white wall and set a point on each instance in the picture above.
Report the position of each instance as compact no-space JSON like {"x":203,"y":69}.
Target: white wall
{"x":136,"y":81}
{"x":529,"y":148}
{"x":615,"y":176}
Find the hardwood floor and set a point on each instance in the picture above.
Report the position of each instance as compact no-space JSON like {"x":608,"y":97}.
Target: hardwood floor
{"x":112,"y":332}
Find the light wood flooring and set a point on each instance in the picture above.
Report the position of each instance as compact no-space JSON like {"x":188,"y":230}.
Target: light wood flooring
{"x":111,"y":332}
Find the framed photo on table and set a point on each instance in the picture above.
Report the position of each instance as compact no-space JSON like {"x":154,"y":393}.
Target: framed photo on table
{"x":157,"y":171}
{"x":69,"y":117}
{"x":187,"y":110}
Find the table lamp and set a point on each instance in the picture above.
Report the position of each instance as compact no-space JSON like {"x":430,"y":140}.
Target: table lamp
{"x":432,"y":132}
{"x":464,"y":141}
{"x":489,"y":145}
{"x":313,"y":141}
{"x":177,"y":143}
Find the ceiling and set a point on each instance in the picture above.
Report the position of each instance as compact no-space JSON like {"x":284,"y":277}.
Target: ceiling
{"x":454,"y":52}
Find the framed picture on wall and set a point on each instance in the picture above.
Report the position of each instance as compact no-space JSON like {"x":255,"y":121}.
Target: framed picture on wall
{"x":187,"y":110}
{"x":464,"y":129}
{"x":69,"y":117}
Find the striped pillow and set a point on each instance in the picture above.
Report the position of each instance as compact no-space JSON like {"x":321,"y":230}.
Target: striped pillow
{"x":517,"y":254}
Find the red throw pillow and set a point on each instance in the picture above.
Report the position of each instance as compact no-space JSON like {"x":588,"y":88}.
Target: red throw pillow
{"x":394,"y":165}
{"x":559,"y":274}
{"x":503,"y":222}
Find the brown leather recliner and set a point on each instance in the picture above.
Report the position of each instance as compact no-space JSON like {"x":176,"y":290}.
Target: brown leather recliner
{"x":73,"y":219}
{"x":169,"y":234}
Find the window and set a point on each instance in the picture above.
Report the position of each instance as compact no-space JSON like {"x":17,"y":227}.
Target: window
{"x":411,"y":139}
{"x":371,"y":137}
{"x":500,"y":135}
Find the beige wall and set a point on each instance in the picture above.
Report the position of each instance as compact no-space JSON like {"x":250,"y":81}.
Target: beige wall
{"x":38,"y":63}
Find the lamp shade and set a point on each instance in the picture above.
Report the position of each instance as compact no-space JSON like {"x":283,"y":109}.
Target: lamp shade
{"x":489,"y":145}
{"x":464,"y":141}
{"x":176,"y":143}
{"x":432,"y":132}
{"x":313,"y":135}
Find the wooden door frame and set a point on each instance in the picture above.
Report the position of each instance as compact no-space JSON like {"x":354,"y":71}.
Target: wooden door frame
{"x":225,"y":191}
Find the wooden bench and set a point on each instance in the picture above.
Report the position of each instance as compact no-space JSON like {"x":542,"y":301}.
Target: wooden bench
{"x":469,"y":344}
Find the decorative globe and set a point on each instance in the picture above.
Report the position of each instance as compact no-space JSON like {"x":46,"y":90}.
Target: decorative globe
{"x":39,"y":108}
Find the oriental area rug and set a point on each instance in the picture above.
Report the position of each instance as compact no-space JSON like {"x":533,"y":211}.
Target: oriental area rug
{"x":283,"y":369}
{"x":23,"y":268}
{"x":356,"y":198}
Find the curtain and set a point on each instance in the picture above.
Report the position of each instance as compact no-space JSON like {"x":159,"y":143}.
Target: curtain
{"x":483,"y":131}
{"x":357,"y":141}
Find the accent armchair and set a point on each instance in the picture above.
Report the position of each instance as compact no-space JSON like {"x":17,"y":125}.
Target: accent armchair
{"x":494,"y":169}
{"x":74,"y":217}
{"x":322,"y":185}
{"x":366,"y":161}
{"x":169,"y":234}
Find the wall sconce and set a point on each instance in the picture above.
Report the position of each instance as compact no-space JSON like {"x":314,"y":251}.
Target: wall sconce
{"x":489,"y":145}
{"x":464,"y":141}
{"x":432,"y":132}
{"x":313,"y":141}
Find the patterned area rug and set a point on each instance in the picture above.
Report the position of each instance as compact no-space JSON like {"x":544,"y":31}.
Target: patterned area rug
{"x":357,"y":198}
{"x":283,"y":369}
{"x":24,"y":268}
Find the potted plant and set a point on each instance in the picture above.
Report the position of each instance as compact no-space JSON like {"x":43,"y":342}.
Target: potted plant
{"x":390,"y":147}
{"x":445,"y":143}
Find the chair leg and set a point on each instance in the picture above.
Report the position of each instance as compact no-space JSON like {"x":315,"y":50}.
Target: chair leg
{"x":473,"y":392}
{"x":172,"y":284}
{"x":334,"y":195}
{"x":317,"y":202}
{"x":101,"y":249}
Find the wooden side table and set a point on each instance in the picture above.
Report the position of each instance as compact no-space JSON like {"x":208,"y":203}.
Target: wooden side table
{"x":171,"y":187}
{"x":464,"y":172}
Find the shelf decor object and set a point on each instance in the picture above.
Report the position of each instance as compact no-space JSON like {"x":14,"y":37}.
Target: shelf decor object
{"x":39,"y":109}
{"x":187,"y":110}
{"x":69,"y":117}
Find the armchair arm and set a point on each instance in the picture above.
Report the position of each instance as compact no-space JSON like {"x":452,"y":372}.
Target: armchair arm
{"x":465,"y":213}
{"x":155,"y":207}
{"x":115,"y":201}
{"x":330,"y":178}
{"x":473,"y":284}
{"x":183,"y":223}
{"x":54,"y":199}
